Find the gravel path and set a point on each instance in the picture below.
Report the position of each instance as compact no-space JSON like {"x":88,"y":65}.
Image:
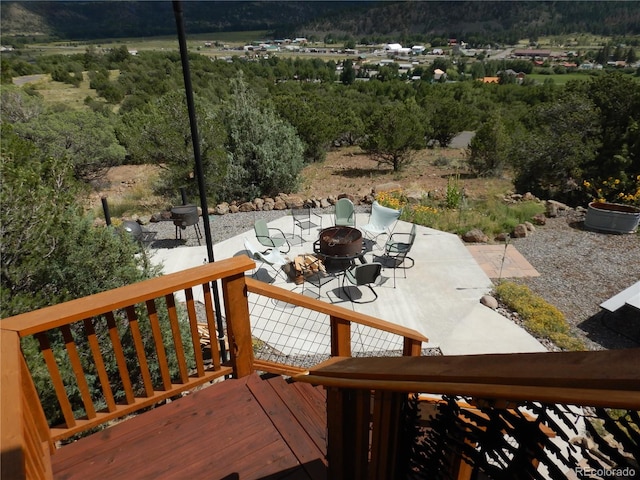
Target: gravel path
{"x":579,"y":269}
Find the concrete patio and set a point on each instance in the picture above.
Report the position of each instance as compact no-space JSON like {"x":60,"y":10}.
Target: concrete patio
{"x":440,"y":296}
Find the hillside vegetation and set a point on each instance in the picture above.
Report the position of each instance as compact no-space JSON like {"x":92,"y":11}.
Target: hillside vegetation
{"x":486,"y":20}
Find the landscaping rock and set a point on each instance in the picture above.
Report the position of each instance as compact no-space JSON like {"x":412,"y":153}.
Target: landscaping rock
{"x":489,"y":301}
{"x":520,"y":231}
{"x":475,"y":236}
{"x":247,"y":207}
{"x":293,"y":201}
{"x":539,"y":219}
{"x":416,"y":196}
{"x":551,"y":209}
{"x":279,"y":204}
{"x":222,"y":209}
{"x":258,"y":203}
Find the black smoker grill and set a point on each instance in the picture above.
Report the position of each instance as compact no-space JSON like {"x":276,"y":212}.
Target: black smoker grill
{"x":184,"y":216}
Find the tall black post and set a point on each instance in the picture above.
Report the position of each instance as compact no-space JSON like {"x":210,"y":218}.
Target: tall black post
{"x":184,"y":56}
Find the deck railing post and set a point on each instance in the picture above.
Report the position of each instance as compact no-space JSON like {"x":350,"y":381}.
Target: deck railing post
{"x":24,"y":443}
{"x":411,"y":348}
{"x":238,"y":324}
{"x":340,"y":337}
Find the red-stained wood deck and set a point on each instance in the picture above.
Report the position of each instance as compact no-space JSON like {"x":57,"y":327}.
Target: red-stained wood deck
{"x":251,"y":428}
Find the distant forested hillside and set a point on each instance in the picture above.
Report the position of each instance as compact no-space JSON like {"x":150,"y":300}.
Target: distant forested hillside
{"x":497,"y":20}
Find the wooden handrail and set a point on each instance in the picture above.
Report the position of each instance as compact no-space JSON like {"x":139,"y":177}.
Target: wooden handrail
{"x":118,"y":298}
{"x":364,"y":394}
{"x":304,"y":301}
{"x":607,"y":378}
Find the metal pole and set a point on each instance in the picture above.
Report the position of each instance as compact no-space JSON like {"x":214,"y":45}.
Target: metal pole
{"x":184,"y":56}
{"x":105,"y":208}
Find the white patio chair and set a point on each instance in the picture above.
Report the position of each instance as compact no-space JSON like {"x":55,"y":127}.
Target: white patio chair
{"x":380,"y":221}
{"x":274,"y":258}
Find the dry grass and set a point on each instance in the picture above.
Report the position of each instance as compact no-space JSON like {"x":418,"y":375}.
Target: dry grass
{"x":349,"y":170}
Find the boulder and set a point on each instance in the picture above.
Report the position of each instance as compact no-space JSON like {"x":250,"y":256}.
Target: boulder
{"x":475,"y":236}
{"x":222,"y":208}
{"x":294,"y":201}
{"x":416,"y":196}
{"x":489,"y":301}
{"x":247,"y":207}
{"x":539,"y":219}
{"x":520,"y":231}
{"x":279,"y":204}
{"x":349,"y":196}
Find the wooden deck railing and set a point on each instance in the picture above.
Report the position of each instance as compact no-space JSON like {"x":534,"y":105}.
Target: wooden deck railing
{"x":364,"y":395}
{"x":110,"y":324}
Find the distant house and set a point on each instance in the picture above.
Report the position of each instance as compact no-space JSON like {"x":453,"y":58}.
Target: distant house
{"x":490,"y":79}
{"x":418,"y":49}
{"x":437,"y":51}
{"x":392,"y":47}
{"x":439,"y":75}
{"x":519,"y":76}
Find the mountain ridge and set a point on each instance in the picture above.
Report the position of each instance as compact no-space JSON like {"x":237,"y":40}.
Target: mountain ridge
{"x":497,"y":20}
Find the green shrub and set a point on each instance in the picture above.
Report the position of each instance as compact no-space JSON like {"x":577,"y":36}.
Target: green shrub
{"x":541,"y":318}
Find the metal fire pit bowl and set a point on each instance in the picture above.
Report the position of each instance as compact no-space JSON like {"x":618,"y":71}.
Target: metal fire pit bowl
{"x":341,"y":241}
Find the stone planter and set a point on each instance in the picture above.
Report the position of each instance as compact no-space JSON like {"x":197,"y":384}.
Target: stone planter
{"x":612,"y":217}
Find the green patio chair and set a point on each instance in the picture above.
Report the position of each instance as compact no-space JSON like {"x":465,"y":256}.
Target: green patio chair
{"x":263,"y":234}
{"x":345,"y":213}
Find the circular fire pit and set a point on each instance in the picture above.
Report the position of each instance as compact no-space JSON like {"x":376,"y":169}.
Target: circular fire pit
{"x":340,"y":241}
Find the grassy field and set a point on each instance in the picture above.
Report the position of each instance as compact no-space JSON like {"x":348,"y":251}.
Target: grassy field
{"x":559,"y":79}
{"x":168,"y":42}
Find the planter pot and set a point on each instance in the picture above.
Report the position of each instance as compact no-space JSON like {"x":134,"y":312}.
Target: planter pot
{"x":612,"y":217}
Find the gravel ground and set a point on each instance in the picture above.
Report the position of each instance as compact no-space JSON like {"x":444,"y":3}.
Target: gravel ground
{"x":579,"y":269}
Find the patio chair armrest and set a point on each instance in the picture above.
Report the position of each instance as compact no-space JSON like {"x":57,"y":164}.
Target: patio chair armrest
{"x":278,"y":230}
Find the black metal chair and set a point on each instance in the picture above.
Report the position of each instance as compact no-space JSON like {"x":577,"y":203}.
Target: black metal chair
{"x":263,"y":234}
{"x":396,"y":251}
{"x":362,"y":275}
{"x":303,"y":219}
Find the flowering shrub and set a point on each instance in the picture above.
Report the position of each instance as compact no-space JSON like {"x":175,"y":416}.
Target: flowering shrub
{"x":393,"y":199}
{"x":615,"y":190}
{"x":413,"y":213}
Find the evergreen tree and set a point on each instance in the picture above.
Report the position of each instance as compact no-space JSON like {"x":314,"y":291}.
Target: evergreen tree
{"x":488,"y":150}
{"x":265,"y":154}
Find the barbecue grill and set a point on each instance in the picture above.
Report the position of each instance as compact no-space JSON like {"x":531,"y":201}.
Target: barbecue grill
{"x":184,"y":216}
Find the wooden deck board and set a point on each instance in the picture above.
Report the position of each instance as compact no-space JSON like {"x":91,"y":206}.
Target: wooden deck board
{"x":234,"y":429}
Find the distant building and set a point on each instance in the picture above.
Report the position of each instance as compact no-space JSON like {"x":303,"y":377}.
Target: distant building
{"x":392,"y":47}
